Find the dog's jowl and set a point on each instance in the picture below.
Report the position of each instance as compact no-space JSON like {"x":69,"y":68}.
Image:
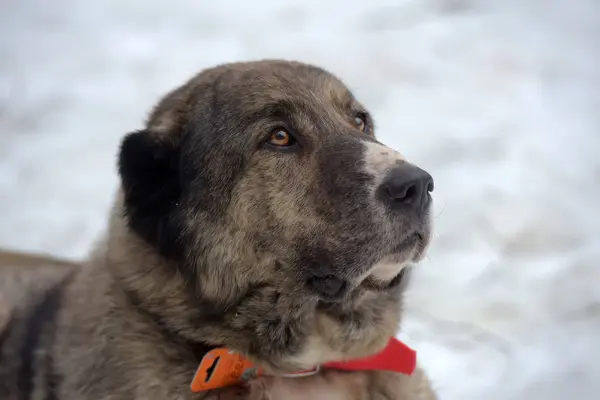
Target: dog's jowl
{"x":258,"y":212}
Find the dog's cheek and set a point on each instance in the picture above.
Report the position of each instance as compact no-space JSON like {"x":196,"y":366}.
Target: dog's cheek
{"x":148,"y":167}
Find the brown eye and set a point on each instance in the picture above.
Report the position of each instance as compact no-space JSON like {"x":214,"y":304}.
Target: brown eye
{"x":280,"y":137}
{"x":361,"y":122}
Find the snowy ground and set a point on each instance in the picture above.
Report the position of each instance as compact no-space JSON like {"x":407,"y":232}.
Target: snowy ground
{"x":499,"y":100}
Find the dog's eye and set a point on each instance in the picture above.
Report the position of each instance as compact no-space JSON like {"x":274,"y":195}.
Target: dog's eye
{"x":281,"y":138}
{"x":360,"y":120}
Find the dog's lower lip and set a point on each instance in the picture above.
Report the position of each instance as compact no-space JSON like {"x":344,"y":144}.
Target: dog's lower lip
{"x":408,"y":241}
{"x":374,"y":285}
{"x":397,"y":280}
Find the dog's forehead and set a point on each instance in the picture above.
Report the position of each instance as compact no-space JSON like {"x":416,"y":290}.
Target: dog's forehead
{"x":246,"y":88}
{"x":262,"y":83}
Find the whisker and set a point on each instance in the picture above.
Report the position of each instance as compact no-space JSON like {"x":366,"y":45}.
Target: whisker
{"x":441,"y":211}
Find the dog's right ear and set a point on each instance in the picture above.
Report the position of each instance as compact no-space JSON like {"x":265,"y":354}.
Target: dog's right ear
{"x":149,"y":169}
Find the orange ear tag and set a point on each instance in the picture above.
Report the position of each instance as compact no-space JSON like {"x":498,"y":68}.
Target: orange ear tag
{"x":221,"y":368}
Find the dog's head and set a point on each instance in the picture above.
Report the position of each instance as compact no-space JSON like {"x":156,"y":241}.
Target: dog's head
{"x":269,"y":175}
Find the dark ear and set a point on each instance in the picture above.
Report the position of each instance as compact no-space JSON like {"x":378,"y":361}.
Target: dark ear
{"x":150,"y":178}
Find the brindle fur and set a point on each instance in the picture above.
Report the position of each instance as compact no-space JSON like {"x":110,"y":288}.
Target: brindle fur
{"x":210,"y":243}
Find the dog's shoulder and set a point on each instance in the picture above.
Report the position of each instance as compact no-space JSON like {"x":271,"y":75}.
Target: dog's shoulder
{"x":24,"y":276}
{"x":28,"y":292}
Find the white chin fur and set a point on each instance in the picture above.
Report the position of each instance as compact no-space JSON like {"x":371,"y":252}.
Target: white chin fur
{"x":385,"y":271}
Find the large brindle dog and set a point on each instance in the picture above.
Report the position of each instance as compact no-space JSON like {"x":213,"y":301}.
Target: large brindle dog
{"x":257,"y":211}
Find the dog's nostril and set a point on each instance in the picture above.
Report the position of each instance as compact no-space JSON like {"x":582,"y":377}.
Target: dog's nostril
{"x":327,"y":286}
{"x":402,"y":193}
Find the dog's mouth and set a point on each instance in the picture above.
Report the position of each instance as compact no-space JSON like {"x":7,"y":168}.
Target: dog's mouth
{"x":332,"y":289}
{"x":389,"y":274}
{"x":374,"y":284}
{"x":414,"y":245}
{"x":370,"y":284}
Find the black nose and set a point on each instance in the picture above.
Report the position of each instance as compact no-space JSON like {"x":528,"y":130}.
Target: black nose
{"x":408,"y":185}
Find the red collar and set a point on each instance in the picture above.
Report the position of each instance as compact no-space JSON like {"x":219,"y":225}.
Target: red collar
{"x":222,"y":367}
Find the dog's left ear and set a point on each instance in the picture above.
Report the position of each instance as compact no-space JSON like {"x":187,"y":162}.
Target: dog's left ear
{"x":150,"y":178}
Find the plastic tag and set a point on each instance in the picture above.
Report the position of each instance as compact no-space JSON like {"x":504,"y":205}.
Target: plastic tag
{"x":221,"y":368}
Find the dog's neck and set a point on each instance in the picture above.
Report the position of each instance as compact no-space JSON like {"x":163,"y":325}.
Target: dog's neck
{"x":162,"y":303}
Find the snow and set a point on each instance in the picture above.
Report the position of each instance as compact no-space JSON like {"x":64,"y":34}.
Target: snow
{"x":499,"y":100}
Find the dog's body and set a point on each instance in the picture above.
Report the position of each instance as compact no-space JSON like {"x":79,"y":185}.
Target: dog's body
{"x":257,"y":212}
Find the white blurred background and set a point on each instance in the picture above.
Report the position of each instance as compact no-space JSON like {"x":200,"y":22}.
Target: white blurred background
{"x":499,"y":100}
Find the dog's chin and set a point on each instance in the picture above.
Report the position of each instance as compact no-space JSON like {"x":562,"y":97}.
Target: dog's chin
{"x":375,"y":284}
{"x":391,"y":271}
{"x":388,"y":274}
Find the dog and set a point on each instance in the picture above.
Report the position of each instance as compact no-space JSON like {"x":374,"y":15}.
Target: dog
{"x":257,"y":211}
